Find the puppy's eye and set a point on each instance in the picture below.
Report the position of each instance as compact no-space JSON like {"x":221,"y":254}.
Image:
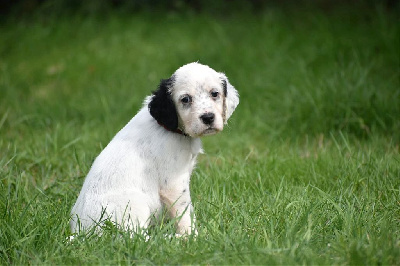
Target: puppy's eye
{"x":214,"y":94}
{"x":186,"y":99}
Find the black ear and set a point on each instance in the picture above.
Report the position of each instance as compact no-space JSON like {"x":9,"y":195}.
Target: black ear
{"x":161,"y":106}
{"x":225,"y":87}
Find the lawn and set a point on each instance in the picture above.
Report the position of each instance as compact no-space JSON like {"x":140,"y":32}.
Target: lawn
{"x":307,"y":172}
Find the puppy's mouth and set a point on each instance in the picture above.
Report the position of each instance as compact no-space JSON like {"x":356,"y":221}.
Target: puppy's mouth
{"x":210,"y":131}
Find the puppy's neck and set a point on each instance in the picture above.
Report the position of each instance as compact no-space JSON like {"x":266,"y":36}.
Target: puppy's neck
{"x":178,"y":131}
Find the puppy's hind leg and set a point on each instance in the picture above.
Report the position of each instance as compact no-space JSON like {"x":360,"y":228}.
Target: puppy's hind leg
{"x":132,"y":212}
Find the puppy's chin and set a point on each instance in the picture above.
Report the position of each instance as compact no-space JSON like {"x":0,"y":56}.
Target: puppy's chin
{"x":210,"y":131}
{"x":206,"y":132}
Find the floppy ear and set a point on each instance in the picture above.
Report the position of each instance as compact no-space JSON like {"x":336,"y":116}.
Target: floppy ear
{"x":231,"y":97}
{"x":161,"y":106}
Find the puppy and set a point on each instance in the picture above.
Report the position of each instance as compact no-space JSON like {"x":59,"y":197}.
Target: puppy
{"x":147,"y":166}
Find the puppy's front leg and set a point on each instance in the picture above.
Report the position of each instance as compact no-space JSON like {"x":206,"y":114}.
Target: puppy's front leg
{"x":178,"y":203}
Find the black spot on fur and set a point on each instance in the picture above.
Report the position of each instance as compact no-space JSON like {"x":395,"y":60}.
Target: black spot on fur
{"x":162,"y":108}
{"x":184,"y":191}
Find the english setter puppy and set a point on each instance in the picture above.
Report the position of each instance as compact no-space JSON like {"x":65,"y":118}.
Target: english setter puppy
{"x":147,"y":166}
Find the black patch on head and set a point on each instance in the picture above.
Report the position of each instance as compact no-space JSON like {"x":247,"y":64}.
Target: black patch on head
{"x":161,"y":106}
{"x":224,"y":86}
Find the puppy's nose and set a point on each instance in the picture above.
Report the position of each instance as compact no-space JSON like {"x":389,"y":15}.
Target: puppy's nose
{"x":207,"y":118}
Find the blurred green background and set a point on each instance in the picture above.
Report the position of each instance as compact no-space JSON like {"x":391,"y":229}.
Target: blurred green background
{"x":309,"y":67}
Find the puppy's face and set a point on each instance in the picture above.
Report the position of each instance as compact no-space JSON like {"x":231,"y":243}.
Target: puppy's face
{"x":196,"y":99}
{"x":199,"y":98}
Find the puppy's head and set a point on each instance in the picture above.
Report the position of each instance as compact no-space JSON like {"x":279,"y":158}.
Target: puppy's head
{"x":196,"y":100}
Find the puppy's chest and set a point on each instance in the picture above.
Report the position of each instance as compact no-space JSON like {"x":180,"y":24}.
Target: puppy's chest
{"x":177,"y":158}
{"x":182,"y":154}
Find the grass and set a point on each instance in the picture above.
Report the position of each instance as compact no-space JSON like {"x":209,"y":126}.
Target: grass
{"x":307,"y":171}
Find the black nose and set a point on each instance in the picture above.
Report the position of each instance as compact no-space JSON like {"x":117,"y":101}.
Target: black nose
{"x":207,"y":118}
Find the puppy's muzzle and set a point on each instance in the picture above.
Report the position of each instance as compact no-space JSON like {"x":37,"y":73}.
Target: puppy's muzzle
{"x":208,"y":118}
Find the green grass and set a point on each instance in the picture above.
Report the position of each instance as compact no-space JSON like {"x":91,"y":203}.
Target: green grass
{"x":307,"y":172}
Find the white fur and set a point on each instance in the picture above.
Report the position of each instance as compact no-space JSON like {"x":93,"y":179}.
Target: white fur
{"x":145,"y":167}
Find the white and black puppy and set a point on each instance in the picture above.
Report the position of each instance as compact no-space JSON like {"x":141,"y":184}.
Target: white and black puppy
{"x":147,"y":166}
